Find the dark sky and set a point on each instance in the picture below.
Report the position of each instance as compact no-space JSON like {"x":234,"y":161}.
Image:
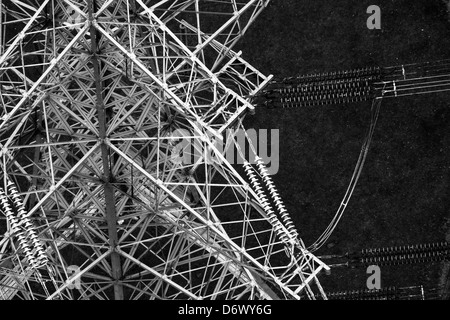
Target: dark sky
{"x":402,"y":197}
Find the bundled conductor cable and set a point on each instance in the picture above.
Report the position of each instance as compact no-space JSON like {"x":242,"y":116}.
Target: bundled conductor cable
{"x":334,"y":88}
{"x":419,"y":253}
{"x":323,"y":89}
{"x":388,"y":293}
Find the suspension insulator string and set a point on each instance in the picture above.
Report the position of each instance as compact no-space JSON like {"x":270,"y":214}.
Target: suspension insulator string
{"x":284,"y":214}
{"x":262,"y":199}
{"x":16,"y":229}
{"x":277,"y":226}
{"x":29,"y":228}
{"x":22,"y":227}
{"x":282,"y":232}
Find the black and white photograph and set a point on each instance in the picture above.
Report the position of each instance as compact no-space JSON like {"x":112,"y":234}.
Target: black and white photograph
{"x":248,"y":152}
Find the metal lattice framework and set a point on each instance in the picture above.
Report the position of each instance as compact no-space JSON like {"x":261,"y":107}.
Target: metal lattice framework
{"x":95,"y":95}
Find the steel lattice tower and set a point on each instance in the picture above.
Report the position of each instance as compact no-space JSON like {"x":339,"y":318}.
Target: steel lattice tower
{"x":95,"y":95}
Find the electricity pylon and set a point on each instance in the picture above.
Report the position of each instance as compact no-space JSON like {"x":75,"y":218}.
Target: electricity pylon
{"x":98,"y":201}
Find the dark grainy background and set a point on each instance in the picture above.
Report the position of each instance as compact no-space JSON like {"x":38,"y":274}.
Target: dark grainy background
{"x":403,"y":195}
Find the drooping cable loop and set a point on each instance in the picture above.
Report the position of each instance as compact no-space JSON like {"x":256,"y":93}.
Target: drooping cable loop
{"x":375,"y":110}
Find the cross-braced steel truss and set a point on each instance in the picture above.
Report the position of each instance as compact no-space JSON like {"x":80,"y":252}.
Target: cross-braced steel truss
{"x":96,"y":201}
